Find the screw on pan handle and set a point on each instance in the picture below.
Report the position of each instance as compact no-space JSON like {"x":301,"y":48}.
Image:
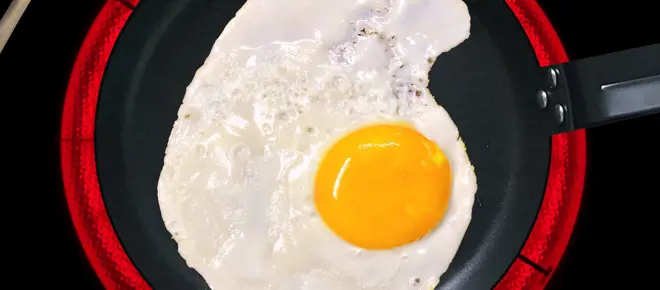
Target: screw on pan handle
{"x":603,"y":89}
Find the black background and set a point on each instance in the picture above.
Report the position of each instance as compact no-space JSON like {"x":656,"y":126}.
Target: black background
{"x":613,"y":243}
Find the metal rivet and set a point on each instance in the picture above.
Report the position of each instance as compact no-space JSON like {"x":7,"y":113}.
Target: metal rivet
{"x":542,"y":99}
{"x":553,"y":75}
{"x":560,"y":113}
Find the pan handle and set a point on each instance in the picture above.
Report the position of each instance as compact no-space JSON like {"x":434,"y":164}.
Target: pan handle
{"x":603,"y":89}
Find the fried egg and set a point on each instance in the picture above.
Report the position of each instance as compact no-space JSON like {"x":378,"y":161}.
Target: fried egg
{"x":309,"y":154}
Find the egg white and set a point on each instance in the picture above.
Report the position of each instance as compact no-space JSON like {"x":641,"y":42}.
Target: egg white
{"x":283,"y":82}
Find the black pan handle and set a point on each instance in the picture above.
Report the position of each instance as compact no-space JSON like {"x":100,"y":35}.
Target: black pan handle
{"x":603,"y":89}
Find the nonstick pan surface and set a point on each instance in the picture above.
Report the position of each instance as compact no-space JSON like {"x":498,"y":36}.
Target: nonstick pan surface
{"x":118,"y":118}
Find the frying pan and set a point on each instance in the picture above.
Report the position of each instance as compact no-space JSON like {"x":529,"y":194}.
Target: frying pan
{"x":508,"y":88}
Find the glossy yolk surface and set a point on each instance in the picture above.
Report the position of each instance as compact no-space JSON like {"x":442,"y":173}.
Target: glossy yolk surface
{"x":383,"y":186}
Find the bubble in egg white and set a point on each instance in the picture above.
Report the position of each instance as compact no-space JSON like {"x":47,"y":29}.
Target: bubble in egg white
{"x":283,"y":81}
{"x":240,"y":152}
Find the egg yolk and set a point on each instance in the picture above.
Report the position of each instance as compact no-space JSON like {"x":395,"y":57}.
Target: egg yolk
{"x":382,"y":186}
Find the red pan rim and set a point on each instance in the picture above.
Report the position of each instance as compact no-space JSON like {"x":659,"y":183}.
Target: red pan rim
{"x":531,"y":270}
